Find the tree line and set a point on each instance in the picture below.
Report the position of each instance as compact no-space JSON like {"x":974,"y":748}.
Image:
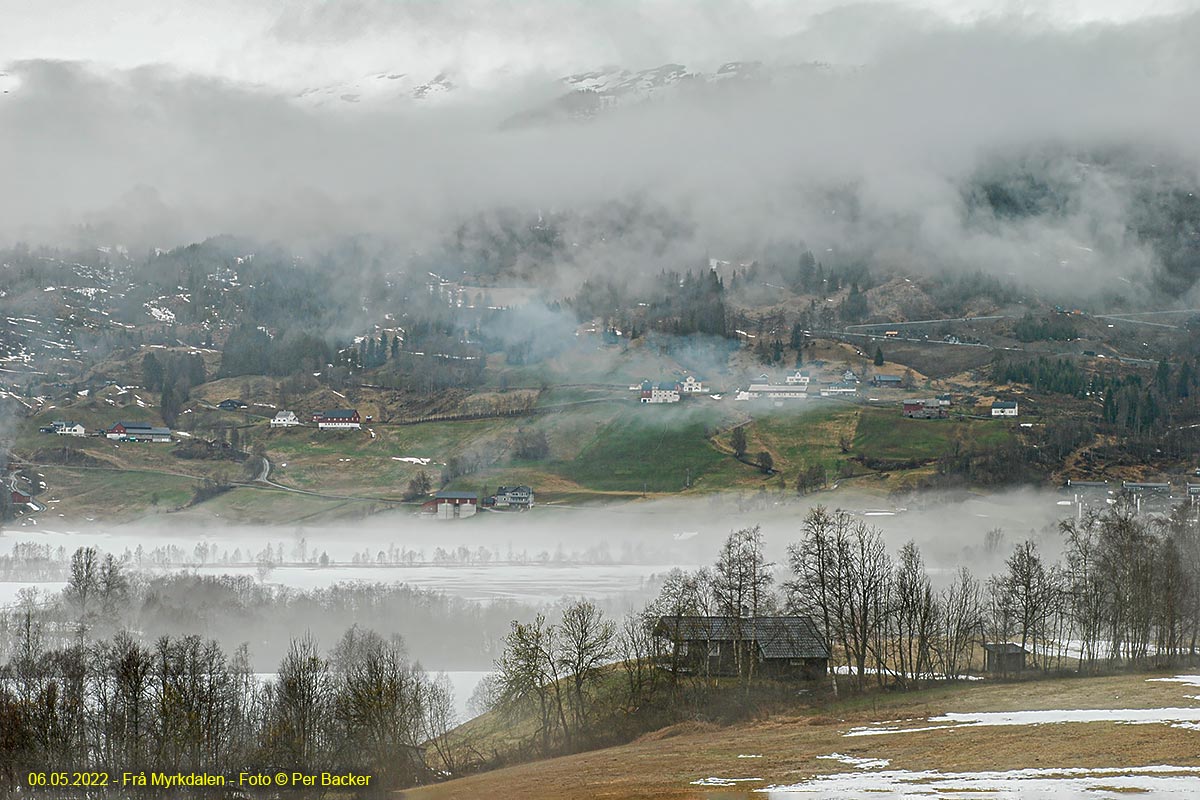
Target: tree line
{"x":1124,"y":594}
{"x":184,"y":704}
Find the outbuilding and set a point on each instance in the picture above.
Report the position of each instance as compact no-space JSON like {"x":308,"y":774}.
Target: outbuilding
{"x":1003,"y":657}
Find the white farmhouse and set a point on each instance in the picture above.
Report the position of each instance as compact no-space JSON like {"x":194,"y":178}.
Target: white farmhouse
{"x":1004,"y":408}
{"x":798,"y":379}
{"x":663,"y":392}
{"x":71,"y":429}
{"x":690,"y":385}
{"x":285,"y":419}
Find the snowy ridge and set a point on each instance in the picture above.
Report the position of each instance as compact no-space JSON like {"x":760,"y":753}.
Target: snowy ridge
{"x":378,"y":90}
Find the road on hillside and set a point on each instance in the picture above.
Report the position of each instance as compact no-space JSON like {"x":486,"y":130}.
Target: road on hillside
{"x":264,"y":477}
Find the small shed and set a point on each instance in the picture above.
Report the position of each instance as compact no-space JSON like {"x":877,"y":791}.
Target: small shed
{"x":1003,"y":657}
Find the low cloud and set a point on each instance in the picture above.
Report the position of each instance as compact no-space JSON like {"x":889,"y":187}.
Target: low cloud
{"x":874,"y":160}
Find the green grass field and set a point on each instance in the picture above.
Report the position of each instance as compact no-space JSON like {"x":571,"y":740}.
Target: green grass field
{"x":886,"y":434}
{"x":616,"y":449}
{"x":651,"y":447}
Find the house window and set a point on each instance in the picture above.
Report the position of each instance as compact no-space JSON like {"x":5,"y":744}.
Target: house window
{"x":714,"y":649}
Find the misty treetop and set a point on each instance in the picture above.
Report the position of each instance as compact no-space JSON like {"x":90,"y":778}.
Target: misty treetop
{"x":675,"y":303}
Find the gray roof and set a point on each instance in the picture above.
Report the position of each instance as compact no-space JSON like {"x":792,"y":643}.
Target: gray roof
{"x":339,"y":413}
{"x":456,"y":496}
{"x":1004,"y":404}
{"x":1004,"y":647}
{"x":138,"y":429}
{"x":143,"y":428}
{"x":777,"y":637}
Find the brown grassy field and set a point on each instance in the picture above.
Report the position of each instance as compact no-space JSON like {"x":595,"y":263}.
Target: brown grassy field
{"x":665,"y":763}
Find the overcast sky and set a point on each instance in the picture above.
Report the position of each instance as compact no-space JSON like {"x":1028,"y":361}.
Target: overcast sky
{"x":164,"y":122}
{"x":297,"y":44}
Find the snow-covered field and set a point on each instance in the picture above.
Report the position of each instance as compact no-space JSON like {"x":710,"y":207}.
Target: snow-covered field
{"x":871,"y":779}
{"x":10,"y":590}
{"x":1040,"y":784}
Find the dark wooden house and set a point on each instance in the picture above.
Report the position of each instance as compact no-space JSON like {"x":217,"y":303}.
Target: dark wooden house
{"x":776,"y":647}
{"x":1003,"y":657}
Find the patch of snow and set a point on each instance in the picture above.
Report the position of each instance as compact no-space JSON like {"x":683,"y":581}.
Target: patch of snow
{"x":860,"y":763}
{"x":750,"y":756}
{"x":1067,"y":783}
{"x":723,"y":781}
{"x":1136,"y":716}
{"x":424,"y":462}
{"x":1186,"y":680}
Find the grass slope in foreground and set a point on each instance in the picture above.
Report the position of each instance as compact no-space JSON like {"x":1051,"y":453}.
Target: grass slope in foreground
{"x":786,"y":749}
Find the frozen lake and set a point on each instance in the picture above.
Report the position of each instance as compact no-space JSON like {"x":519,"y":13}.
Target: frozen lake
{"x":534,"y":584}
{"x":606,"y":552}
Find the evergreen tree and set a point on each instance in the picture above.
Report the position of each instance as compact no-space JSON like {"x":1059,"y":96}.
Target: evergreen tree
{"x":878,"y":356}
{"x":738,"y":440}
{"x":1162,"y":377}
{"x":152,"y":372}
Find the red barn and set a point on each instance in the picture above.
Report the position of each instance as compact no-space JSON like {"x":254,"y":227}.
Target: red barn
{"x":339,"y":419}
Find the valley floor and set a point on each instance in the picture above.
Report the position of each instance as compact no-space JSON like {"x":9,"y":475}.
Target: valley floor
{"x":1141,"y":736}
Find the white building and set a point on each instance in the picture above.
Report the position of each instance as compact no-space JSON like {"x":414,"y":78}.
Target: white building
{"x":285,"y":419}
{"x":1002,"y":408}
{"x":798,"y":379}
{"x":690,"y":385}
{"x":71,"y":429}
{"x":839,"y":389}
{"x":664,"y":392}
{"x":514,"y":497}
{"x":774,"y":391}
